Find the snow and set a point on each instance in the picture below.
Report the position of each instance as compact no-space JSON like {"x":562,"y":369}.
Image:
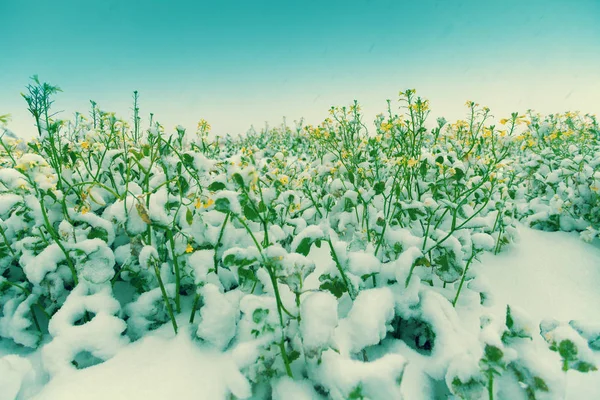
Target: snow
{"x":551,"y":277}
{"x":100,"y":336}
{"x":378,"y":379}
{"x":15,"y":372}
{"x":155,"y":367}
{"x":366,"y":323}
{"x":219,"y":318}
{"x":319,"y":319}
{"x":549,"y":274}
{"x":303,"y":390}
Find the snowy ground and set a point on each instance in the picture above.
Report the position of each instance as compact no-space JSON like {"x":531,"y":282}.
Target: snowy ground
{"x":551,"y":275}
{"x":547,"y":274}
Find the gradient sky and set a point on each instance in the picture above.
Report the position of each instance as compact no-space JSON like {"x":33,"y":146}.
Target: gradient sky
{"x":238,"y":63}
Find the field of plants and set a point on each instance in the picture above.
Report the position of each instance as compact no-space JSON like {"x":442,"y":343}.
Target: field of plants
{"x":322,"y":259}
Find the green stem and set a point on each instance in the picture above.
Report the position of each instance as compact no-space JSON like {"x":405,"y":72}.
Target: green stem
{"x":177,"y":272}
{"x":218,"y":244}
{"x":462,"y":279}
{"x":339,"y":268}
{"x":165,"y":297}
{"x":57,"y":239}
{"x":279,"y":303}
{"x":194,"y":307}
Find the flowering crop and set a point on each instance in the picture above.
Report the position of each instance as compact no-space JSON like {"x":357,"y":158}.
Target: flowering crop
{"x":226,"y":231}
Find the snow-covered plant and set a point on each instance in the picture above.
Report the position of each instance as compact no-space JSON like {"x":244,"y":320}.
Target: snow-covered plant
{"x":308,"y":253}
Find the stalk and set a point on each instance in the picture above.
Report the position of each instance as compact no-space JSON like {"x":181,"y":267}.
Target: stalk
{"x":177,"y":272}
{"x":215,"y":257}
{"x":280,"y":306}
{"x":164,"y":295}
{"x":462,"y":279}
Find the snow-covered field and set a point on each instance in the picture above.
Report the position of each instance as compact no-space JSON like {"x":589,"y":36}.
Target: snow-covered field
{"x":320,"y":262}
{"x":549,"y":275}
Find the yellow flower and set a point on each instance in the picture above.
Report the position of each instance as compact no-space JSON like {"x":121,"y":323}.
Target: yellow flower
{"x":85,"y":145}
{"x":284,"y":179}
{"x":84,"y":210}
{"x":386,"y":126}
{"x":204,"y":125}
{"x":189,"y":248}
{"x":198,"y":203}
{"x":208,"y":203}
{"x":504,"y":121}
{"x":412,"y":162}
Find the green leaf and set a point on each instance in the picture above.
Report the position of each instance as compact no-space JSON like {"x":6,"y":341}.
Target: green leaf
{"x":356,"y":393}
{"x":415,"y":213}
{"x":304,"y":246}
{"x":351,"y":177}
{"x":422,"y":261}
{"x":259,"y":315}
{"x":223,"y":205}
{"x":459,"y":174}
{"x":379,"y":187}
{"x":251,"y":214}
{"x":423,"y":168}
{"x":238,"y":260}
{"x":261,"y":207}
{"x":447,"y":269}
{"x":188,"y":160}
{"x":246,"y":275}
{"x":583,"y":366}
{"x":238,"y":179}
{"x":348,"y":205}
{"x":189,"y":216}
{"x":293,"y":355}
{"x":540,"y":384}
{"x":334,"y":285}
{"x":215,"y":186}
{"x":183,"y":184}
{"x":509,"y":320}
{"x":98,"y":233}
{"x":493,"y":354}
{"x":567,"y":350}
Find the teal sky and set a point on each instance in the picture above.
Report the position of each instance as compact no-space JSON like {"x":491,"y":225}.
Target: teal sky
{"x":238,"y":63}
